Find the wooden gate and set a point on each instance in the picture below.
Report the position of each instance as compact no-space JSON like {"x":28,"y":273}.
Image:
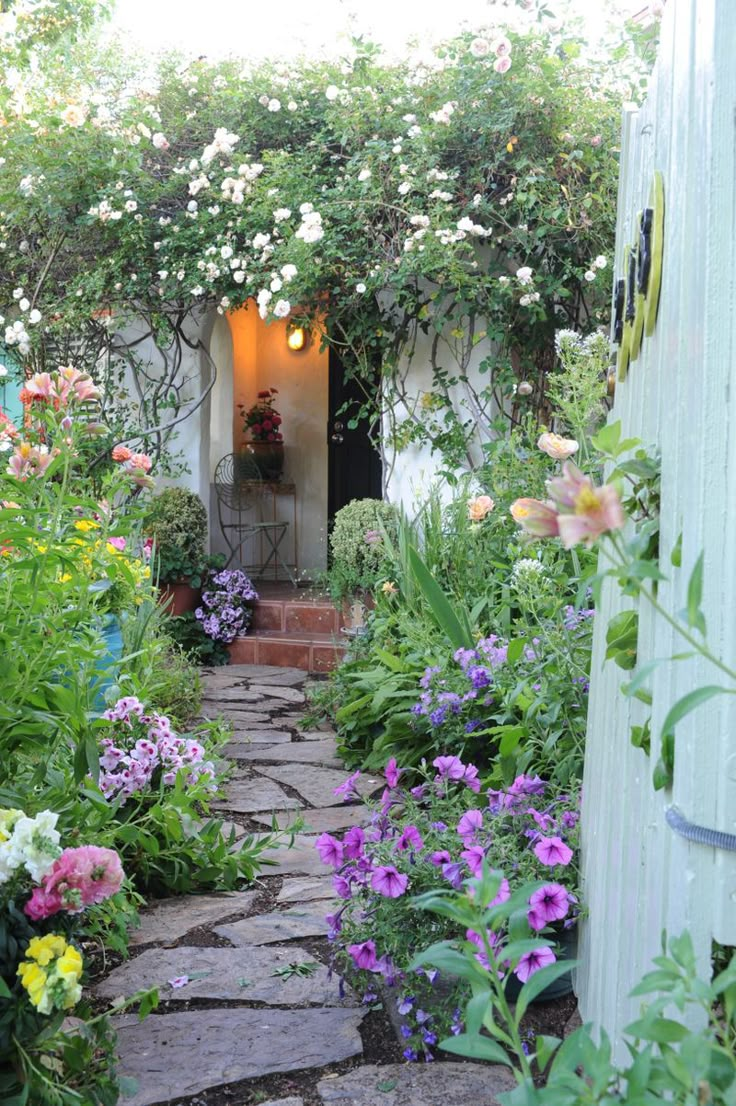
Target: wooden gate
{"x":680,"y":396}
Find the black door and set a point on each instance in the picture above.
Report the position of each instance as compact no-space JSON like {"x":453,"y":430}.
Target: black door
{"x":355,"y":470}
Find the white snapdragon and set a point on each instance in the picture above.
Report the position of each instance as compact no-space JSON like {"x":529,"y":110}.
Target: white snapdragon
{"x":33,"y":845}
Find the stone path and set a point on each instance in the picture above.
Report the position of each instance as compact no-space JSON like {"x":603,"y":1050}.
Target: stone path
{"x":254,"y":1000}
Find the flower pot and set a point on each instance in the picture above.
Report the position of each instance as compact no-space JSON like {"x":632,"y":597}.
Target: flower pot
{"x":179,"y":597}
{"x":268,"y":457}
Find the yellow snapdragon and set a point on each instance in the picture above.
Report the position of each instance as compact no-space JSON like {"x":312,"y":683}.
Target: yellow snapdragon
{"x":51,"y":973}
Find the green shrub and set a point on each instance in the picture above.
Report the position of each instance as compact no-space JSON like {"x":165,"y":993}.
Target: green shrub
{"x":359,"y":553}
{"x":177,"y":522}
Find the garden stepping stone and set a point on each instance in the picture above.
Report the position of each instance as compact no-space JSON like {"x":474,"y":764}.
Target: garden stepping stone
{"x":330,"y":820}
{"x":177,"y":1055}
{"x":317,"y":785}
{"x":301,"y":752}
{"x":285,"y":694}
{"x":169,"y":919}
{"x":248,"y":796}
{"x":445,"y":1084}
{"x":244,"y":718}
{"x":301,"y":859}
{"x":316,"y":735}
{"x":306,"y":890}
{"x":266,"y":929}
{"x":248,"y":738}
{"x":243,"y":974}
{"x":284,"y":1102}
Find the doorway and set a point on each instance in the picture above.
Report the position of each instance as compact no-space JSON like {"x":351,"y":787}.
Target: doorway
{"x":354,"y":468}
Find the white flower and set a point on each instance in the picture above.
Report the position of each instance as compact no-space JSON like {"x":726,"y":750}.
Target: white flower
{"x":600,"y":262}
{"x":288,"y":272}
{"x":396,"y":149}
{"x":74,"y":115}
{"x":332,"y":92}
{"x":590,"y":275}
{"x":35,"y":844}
{"x":501,"y":47}
{"x":17,"y":293}
{"x":364,"y":174}
{"x":198,"y":290}
{"x":192,"y":205}
{"x":274,"y":105}
{"x":306,"y":209}
{"x":35,"y":316}
{"x":160,"y":141}
{"x":24,"y":304}
{"x":280,"y":214}
{"x":527,"y":567}
{"x":292,"y":105}
{"x":524,"y":275}
{"x":414,"y":131}
{"x":264,"y":297}
{"x":360,"y":288}
{"x":444,"y":114}
{"x":263,"y":100}
{"x":502,"y":64}
{"x":405,"y":187}
{"x":223,"y":143}
{"x":281,"y":309}
{"x":131,"y":205}
{"x":3,"y":370}
{"x":260,"y":241}
{"x":276,"y":284}
{"x":480,"y":48}
{"x":226,"y":252}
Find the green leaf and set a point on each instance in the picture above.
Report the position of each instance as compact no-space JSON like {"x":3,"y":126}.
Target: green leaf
{"x":621,"y":638}
{"x":676,"y":554}
{"x":457,"y":631}
{"x":689,"y":703}
{"x":656,"y":1028}
{"x":546,"y":1048}
{"x":4,"y":989}
{"x":515,"y":650}
{"x":641,"y":737}
{"x":662,"y":776}
{"x":476,"y":1048}
{"x":695,"y":616}
{"x":537,"y":983}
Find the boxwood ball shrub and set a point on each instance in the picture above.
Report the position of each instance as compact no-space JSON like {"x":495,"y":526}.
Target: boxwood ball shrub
{"x":177,"y":523}
{"x":358,"y":551}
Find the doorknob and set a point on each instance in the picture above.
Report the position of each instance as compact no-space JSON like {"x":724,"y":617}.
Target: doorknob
{"x":337,"y":438}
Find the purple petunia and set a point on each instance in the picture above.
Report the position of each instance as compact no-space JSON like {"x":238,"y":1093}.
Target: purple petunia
{"x":387,"y":881}
{"x":552,"y":851}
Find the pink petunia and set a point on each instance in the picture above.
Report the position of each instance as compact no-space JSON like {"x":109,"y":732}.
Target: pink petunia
{"x":353,"y":843}
{"x":392,"y":773}
{"x":552,"y":851}
{"x":330,"y":850}
{"x":388,"y":882}
{"x":502,"y":895}
{"x":451,"y":768}
{"x":364,"y":955}
{"x":178,"y":981}
{"x":532,"y":961}
{"x":410,"y":839}
{"x":470,"y":823}
{"x":347,"y":790}
{"x":549,"y":904}
{"x":474,"y":858}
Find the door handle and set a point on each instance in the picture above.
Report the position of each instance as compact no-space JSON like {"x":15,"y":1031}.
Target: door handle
{"x":337,"y":439}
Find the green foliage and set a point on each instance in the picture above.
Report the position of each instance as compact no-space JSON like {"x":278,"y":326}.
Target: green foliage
{"x":177,"y":522}
{"x":198,"y":647}
{"x":358,"y":546}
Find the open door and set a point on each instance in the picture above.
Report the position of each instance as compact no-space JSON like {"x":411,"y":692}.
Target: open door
{"x":354,"y":464}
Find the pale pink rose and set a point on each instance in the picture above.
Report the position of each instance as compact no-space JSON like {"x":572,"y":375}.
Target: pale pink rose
{"x":140,"y":461}
{"x":559,"y":449}
{"x":479,"y":507}
{"x":501,"y":47}
{"x":503,"y":64}
{"x":596,"y":140}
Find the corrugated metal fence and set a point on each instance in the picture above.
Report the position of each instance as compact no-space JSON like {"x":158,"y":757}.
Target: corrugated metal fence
{"x":679,"y":396}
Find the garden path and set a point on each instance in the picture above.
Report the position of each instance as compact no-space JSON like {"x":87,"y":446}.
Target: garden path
{"x":253,"y":1015}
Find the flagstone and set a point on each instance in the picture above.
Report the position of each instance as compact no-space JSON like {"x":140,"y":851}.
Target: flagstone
{"x":266,"y":929}
{"x":238,"y":718}
{"x":306,"y":889}
{"x":329,"y":820}
{"x":178,"y":1055}
{"x":317,"y":785}
{"x":241,"y":974}
{"x":170,"y":919}
{"x":249,"y":796}
{"x":244,"y":739}
{"x":286,"y":694}
{"x":446,"y":1084}
{"x":316,"y":735}
{"x":300,"y":752}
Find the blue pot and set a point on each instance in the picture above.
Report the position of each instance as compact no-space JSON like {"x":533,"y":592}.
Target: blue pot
{"x":108,"y":665}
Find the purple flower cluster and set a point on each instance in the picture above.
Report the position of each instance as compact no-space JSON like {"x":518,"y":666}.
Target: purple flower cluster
{"x":143,"y":745}
{"x":225,"y":613}
{"x":574,"y":619}
{"x":439,"y":701}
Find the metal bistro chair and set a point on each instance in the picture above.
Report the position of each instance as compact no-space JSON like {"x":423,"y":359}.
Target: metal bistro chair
{"x":239,"y":489}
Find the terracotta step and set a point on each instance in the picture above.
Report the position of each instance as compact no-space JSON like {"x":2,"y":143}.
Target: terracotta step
{"x":311,"y":651}
{"x":280,"y":615}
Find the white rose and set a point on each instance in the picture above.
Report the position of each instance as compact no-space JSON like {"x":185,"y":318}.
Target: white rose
{"x":282,"y":308}
{"x":332,"y":92}
{"x":525,"y":274}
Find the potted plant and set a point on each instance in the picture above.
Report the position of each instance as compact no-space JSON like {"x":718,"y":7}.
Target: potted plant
{"x":358,"y":556}
{"x":177,"y":526}
{"x":266,"y":445}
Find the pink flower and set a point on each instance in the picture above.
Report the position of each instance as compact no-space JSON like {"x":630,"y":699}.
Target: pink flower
{"x":536,"y":518}
{"x":532,"y":961}
{"x":559,"y":449}
{"x":410,"y":839}
{"x":78,"y":878}
{"x":121,"y":453}
{"x":596,"y":140}
{"x":364,"y":955}
{"x":353,"y":843}
{"x":28,"y":460}
{"x":585,"y":512}
{"x":451,"y":768}
{"x":474,"y":857}
{"x":503,"y":894}
{"x":552,"y":851}
{"x":439,"y":858}
{"x":479,"y":507}
{"x":470,"y":823}
{"x":392,"y":773}
{"x":548,"y":904}
{"x":502,"y":64}
{"x":476,"y":939}
{"x":347,"y":789}
{"x":178,"y":981}
{"x":330,"y":850}
{"x":388,"y":882}
{"x":470,"y":778}
{"x":117,"y":543}
{"x":140,"y":461}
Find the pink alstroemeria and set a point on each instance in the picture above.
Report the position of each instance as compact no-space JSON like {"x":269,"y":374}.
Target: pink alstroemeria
{"x":28,"y":460}
{"x":392,"y":773}
{"x":364,"y":955}
{"x":552,"y":851}
{"x":388,"y":882}
{"x":330,"y":850}
{"x":532,"y":961}
{"x":536,"y":518}
{"x":586,"y":512}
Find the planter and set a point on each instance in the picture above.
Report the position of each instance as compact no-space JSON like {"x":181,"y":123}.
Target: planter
{"x":179,"y":597}
{"x":108,"y":666}
{"x":354,"y":611}
{"x":268,"y":457}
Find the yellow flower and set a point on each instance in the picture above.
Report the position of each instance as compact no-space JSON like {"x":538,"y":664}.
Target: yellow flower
{"x":559,"y":449}
{"x":45,"y":949}
{"x":389,"y":588}
{"x":479,"y":507}
{"x":8,"y":818}
{"x":69,"y":966}
{"x":111,"y":549}
{"x":34,"y":980}
{"x":86,"y":524}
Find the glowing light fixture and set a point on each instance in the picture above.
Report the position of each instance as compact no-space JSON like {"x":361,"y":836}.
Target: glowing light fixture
{"x":296,"y":339}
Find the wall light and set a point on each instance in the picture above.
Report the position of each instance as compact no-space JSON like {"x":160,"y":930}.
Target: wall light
{"x":296,"y":338}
